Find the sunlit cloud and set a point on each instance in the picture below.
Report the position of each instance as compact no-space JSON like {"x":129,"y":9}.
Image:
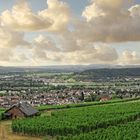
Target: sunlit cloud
{"x":22,"y":18}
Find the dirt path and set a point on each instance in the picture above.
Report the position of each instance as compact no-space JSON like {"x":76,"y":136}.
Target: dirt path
{"x":6,"y":133}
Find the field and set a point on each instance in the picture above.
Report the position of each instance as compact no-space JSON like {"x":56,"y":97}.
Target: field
{"x":75,"y":123}
{"x":129,"y":131}
{"x":1,"y":111}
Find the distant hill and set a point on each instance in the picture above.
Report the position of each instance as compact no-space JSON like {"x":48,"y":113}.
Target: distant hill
{"x":112,"y":72}
{"x":104,"y":69}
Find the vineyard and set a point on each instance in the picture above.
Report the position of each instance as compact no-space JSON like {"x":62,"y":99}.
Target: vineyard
{"x":1,"y":111}
{"x":129,"y":131}
{"x":76,"y":121}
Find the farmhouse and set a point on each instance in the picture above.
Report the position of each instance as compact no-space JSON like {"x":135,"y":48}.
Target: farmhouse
{"x":105,"y":98}
{"x":20,"y":110}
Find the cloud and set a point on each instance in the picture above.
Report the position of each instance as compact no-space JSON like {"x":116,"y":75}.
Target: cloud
{"x":135,"y":11}
{"x":45,"y":43}
{"x":41,"y":45}
{"x":108,"y":21}
{"x":5,"y":54}
{"x":91,"y":54}
{"x":129,"y":57}
{"x":11,"y":39}
{"x":9,"y":42}
{"x":59,"y":13}
{"x":101,"y":8}
{"x":22,"y":18}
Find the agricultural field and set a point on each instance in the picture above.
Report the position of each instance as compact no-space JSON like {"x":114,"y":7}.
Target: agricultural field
{"x":75,"y":123}
{"x":129,"y":131}
{"x":1,"y":111}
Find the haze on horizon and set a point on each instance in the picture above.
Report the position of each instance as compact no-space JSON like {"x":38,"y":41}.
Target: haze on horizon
{"x":69,"y":32}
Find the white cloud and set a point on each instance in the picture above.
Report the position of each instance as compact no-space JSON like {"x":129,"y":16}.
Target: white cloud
{"x":22,"y":18}
{"x":92,"y":11}
{"x":11,"y":39}
{"x":59,"y":13}
{"x":108,"y":21}
{"x":9,"y":42}
{"x":100,"y":8}
{"x":135,"y":11}
{"x":91,"y":54}
{"x":129,"y":57}
{"x":44,"y":43}
{"x":5,"y":54}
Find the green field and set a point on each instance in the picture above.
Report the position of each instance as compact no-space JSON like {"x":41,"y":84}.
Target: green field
{"x":1,"y":111}
{"x":75,"y":123}
{"x":129,"y":131}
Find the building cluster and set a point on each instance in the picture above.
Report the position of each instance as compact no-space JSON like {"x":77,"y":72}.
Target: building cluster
{"x":66,"y":96}
{"x":53,"y":90}
{"x":53,"y":97}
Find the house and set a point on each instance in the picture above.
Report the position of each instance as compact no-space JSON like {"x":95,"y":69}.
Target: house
{"x":105,"y":98}
{"x":20,"y":110}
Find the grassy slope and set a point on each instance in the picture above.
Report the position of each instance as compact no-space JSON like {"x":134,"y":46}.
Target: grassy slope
{"x":110,"y":109}
{"x":5,"y":131}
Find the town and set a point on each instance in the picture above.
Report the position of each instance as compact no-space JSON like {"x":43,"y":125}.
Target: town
{"x":43,"y":88}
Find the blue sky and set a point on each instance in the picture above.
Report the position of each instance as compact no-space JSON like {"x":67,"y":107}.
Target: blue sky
{"x":77,"y":7}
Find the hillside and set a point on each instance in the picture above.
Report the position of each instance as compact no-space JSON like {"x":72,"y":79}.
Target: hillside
{"x":69,"y":68}
{"x":121,"y":72}
{"x":98,"y":122}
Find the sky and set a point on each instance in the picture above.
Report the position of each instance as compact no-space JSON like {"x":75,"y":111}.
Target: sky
{"x":69,"y":32}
